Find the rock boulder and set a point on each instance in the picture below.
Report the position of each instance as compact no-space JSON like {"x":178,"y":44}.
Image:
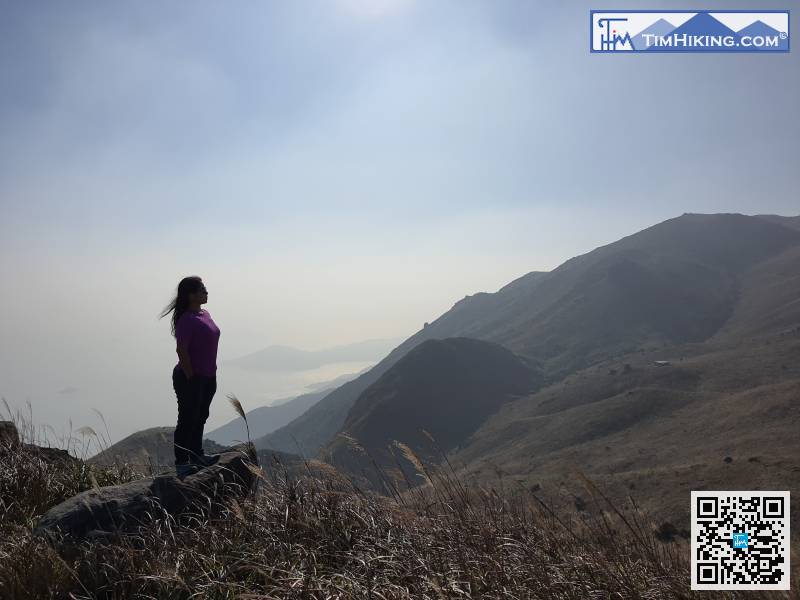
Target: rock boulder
{"x":123,"y":507}
{"x":9,"y":436}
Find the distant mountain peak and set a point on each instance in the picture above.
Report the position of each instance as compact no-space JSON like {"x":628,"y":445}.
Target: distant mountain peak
{"x":286,"y":358}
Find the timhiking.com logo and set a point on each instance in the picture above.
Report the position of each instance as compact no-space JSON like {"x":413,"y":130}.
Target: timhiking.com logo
{"x":689,"y":31}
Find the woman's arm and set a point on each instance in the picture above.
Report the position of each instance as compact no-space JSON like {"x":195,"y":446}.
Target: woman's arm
{"x":184,"y":332}
{"x":185,"y":361}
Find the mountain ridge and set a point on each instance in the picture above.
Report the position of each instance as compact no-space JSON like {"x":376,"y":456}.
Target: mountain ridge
{"x":545,"y":316}
{"x":286,"y":358}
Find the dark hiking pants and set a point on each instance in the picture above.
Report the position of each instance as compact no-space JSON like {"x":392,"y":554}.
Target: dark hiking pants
{"x":194,"y":399}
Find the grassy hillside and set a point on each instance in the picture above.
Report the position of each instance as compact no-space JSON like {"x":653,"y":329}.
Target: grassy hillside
{"x":675,"y":282}
{"x":793,"y":222}
{"x":679,"y":281}
{"x":309,"y":538}
{"x":716,"y":296}
{"x":769,"y":299}
{"x":309,"y":432}
{"x":265,"y":419}
{"x":718,"y":417}
{"x":448,"y":387}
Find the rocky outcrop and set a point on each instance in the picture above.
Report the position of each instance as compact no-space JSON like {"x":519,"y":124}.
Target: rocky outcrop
{"x":52,"y":455}
{"x":10,"y":441}
{"x":123,"y":507}
{"x":8,"y":434}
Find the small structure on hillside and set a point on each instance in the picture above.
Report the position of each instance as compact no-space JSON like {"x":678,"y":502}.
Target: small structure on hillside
{"x":662,"y":363}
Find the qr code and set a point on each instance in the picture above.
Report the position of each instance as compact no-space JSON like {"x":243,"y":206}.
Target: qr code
{"x":740,"y":540}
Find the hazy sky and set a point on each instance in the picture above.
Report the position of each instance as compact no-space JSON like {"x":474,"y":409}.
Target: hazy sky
{"x":335,"y":171}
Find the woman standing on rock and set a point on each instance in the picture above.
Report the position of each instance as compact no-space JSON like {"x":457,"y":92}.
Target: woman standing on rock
{"x":194,"y":378}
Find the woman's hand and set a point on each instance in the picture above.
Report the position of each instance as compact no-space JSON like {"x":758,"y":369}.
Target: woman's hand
{"x":185,"y":361}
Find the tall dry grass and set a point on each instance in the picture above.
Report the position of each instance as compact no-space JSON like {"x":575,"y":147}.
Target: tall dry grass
{"x":309,"y":536}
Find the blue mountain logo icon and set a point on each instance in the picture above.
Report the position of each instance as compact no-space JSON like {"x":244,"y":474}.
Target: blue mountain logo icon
{"x":660,"y":28}
{"x":701,"y":24}
{"x":759,"y":28}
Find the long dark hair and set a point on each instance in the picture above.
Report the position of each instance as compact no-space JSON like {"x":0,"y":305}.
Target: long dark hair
{"x":180,"y":302}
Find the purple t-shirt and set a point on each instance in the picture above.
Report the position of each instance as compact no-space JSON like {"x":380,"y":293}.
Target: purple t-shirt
{"x":198,"y":332}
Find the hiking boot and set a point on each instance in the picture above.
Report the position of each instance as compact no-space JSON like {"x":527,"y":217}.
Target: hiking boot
{"x":205,"y":460}
{"x":184,"y":469}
